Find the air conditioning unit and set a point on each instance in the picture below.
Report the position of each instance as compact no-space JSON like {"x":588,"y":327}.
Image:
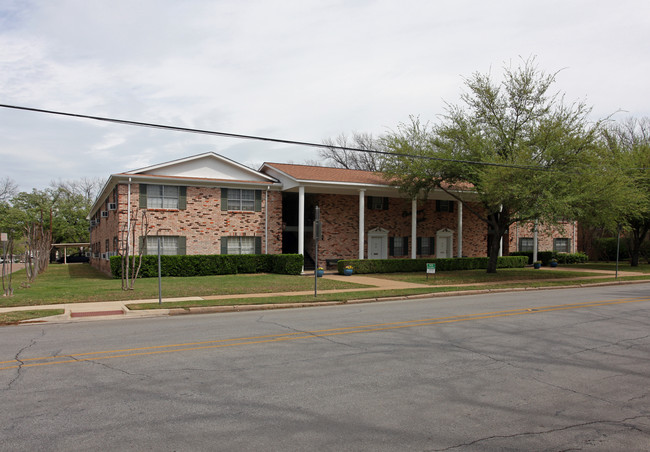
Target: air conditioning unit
{"x":104,"y":214}
{"x":112,"y":206}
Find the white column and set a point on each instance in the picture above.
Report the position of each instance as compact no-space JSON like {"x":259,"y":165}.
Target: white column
{"x":460,"y":229}
{"x":414,"y":227}
{"x":301,"y":221}
{"x":362,"y":221}
{"x":501,"y":238}
{"x":535,"y":242}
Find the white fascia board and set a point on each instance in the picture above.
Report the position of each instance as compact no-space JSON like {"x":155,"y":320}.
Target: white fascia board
{"x":213,"y":155}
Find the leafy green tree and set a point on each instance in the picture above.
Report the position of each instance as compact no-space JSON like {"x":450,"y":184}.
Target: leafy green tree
{"x":629,"y":144}
{"x":521,"y":149}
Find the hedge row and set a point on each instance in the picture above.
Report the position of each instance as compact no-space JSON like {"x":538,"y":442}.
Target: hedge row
{"x":214,"y":264}
{"x":546,"y":256}
{"x":420,"y":265}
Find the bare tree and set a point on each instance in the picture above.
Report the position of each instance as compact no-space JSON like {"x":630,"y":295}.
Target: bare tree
{"x":87,"y":187}
{"x":8,"y":189}
{"x":37,"y":250}
{"x":130,"y":262}
{"x":341,"y":155}
{"x":7,"y":267}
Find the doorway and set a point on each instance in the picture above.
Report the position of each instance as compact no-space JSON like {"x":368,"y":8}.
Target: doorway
{"x":444,"y":243}
{"x":378,"y":244}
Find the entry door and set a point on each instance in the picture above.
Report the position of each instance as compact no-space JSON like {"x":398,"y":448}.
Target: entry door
{"x":444,"y":243}
{"x":377,"y":247}
{"x":443,"y":248}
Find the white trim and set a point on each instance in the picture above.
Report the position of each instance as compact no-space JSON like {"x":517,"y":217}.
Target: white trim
{"x":362,"y":221}
{"x":447,"y":235}
{"x":382,"y":234}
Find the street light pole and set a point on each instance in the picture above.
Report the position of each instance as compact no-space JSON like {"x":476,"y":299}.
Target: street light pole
{"x":159,"y":272}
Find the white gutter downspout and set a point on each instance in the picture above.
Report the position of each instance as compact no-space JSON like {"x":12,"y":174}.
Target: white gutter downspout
{"x":414,"y":227}
{"x":362,"y":222}
{"x":128,"y":218}
{"x":460,"y":229}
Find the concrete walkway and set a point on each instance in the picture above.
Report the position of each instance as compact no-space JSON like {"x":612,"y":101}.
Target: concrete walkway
{"x":119,"y":309}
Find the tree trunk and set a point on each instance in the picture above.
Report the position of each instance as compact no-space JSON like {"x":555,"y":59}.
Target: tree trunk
{"x":493,"y":252}
{"x":494,"y":239}
{"x":638,"y":235}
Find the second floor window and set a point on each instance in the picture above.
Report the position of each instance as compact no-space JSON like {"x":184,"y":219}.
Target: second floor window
{"x":239,"y":199}
{"x":162,"y":197}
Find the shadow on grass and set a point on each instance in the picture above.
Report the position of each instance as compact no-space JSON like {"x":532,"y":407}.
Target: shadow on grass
{"x":84,"y":270}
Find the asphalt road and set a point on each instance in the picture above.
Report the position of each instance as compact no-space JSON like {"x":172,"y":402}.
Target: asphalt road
{"x":545,"y":370}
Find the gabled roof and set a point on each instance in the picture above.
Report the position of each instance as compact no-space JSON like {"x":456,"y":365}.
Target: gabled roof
{"x":204,"y":166}
{"x":208,"y":169}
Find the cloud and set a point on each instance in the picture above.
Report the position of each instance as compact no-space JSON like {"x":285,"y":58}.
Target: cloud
{"x":302,"y":70}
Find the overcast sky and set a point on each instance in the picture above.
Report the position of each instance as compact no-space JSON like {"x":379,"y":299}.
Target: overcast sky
{"x":293,"y":69}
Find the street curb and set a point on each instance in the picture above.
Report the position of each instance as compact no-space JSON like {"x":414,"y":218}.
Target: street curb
{"x":265,"y":307}
{"x":134,"y":314}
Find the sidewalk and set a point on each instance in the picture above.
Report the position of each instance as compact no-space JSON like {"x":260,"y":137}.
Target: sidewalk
{"x":119,"y":309}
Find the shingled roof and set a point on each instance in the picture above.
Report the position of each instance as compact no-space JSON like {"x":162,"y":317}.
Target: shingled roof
{"x":328,"y":174}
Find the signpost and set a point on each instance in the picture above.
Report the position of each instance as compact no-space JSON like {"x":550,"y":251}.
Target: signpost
{"x":431,"y":268}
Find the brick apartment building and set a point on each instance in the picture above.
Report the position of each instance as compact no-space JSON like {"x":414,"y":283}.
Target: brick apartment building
{"x":208,"y":204}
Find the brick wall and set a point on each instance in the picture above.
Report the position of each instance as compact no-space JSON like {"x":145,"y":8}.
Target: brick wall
{"x":340,"y":218}
{"x":545,"y":235}
{"x":202,"y":223}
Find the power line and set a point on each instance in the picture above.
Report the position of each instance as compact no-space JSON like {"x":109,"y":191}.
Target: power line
{"x":261,"y":138}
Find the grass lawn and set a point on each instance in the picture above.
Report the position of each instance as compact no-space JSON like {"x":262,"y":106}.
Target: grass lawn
{"x":623,"y":266}
{"x":76,"y":283}
{"x":10,"y":318}
{"x":347,"y":296}
{"x":482,"y":277}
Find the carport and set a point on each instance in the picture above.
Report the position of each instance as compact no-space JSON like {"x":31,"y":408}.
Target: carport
{"x":65,"y":247}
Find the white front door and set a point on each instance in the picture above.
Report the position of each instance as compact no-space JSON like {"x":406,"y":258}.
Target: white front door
{"x":443,"y":248}
{"x":377,"y":247}
{"x":444,"y":243}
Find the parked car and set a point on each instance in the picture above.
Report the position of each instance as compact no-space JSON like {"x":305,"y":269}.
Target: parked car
{"x":73,"y":259}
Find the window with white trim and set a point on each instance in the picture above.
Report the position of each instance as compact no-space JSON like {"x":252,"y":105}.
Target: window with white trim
{"x":241,"y":245}
{"x":162,"y":197}
{"x":168,"y":245}
{"x":241,"y":199}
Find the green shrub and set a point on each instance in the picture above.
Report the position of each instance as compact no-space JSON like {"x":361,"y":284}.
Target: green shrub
{"x":547,"y":256}
{"x":606,"y":249}
{"x":214,"y":264}
{"x":571,"y":258}
{"x":364,"y":266}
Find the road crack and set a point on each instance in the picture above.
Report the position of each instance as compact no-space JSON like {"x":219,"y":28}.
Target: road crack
{"x":622,"y":422}
{"x":21,"y":363}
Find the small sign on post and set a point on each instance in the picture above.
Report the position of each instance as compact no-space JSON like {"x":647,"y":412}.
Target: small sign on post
{"x":431,"y":268}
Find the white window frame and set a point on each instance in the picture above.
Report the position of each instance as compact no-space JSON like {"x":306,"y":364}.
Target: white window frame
{"x":241,"y":245}
{"x":241,"y":199}
{"x":167,"y":198}
{"x":168,"y":245}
